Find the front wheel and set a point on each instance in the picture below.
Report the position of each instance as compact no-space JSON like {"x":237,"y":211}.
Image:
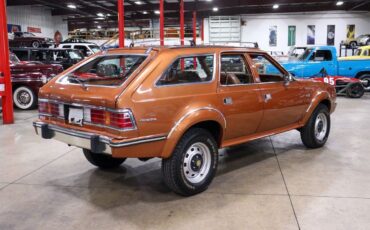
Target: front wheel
{"x":353,"y":45}
{"x":36,"y":44}
{"x":24,"y":98}
{"x":193,"y":164}
{"x":355,"y":90}
{"x":366,"y":77}
{"x":316,"y":132}
{"x":102,"y":160}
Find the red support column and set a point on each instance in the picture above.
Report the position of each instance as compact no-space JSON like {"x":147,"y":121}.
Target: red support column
{"x":121,"y":23}
{"x":202,"y":30}
{"x":195,"y":27}
{"x":182,"y":22}
{"x":161,"y":22}
{"x":5,"y":80}
{"x":195,"y":35}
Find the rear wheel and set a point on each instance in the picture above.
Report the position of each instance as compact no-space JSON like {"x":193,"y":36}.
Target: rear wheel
{"x":24,"y":98}
{"x":193,"y":164}
{"x":102,"y":160}
{"x":316,"y":132}
{"x":355,"y":90}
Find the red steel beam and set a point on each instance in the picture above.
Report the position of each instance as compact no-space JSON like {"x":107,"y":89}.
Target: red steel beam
{"x":7,"y":100}
{"x":182,"y":22}
{"x":195,"y":27}
{"x":121,"y":23}
{"x":161,"y":22}
{"x":202,"y":30}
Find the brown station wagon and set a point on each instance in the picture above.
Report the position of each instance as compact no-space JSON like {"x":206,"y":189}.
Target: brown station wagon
{"x":180,"y":104}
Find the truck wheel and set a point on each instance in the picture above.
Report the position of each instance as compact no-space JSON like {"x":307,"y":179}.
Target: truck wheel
{"x":355,"y":90}
{"x":367,"y":78}
{"x":24,"y":98}
{"x":316,"y":132}
{"x":102,"y":160}
{"x":193,"y":164}
{"x":35,"y":44}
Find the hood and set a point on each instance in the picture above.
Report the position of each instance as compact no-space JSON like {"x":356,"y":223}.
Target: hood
{"x":294,"y":67}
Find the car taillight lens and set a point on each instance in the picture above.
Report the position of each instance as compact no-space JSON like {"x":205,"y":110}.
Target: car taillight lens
{"x":122,"y":120}
{"x":51,"y":109}
{"x":97,"y":116}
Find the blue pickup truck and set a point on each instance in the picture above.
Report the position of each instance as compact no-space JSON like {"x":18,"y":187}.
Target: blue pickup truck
{"x":316,"y":58}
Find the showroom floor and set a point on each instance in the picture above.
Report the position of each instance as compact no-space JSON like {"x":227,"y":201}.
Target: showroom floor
{"x":273,"y":183}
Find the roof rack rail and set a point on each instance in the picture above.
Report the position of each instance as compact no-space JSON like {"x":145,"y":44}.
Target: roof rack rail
{"x":235,"y":44}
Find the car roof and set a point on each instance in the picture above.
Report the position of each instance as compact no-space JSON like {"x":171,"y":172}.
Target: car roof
{"x":79,"y":43}
{"x":184,"y":49}
{"x":41,"y":49}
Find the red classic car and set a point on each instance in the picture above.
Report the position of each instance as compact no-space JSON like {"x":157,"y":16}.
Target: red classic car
{"x":28,"y":78}
{"x":344,"y":86}
{"x":26,"y":39}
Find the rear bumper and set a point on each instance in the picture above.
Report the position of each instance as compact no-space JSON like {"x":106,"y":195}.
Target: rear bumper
{"x":95,"y":143}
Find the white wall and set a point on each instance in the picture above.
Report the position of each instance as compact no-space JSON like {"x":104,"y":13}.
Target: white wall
{"x":256,"y":27}
{"x":37,"y":16}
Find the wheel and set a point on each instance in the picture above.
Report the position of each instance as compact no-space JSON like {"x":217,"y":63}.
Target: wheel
{"x":24,"y":98}
{"x":368,"y":42}
{"x":316,"y":132}
{"x":35,"y":44}
{"x":193,"y":164}
{"x":102,"y":160}
{"x":355,"y":90}
{"x":367,"y":78}
{"x":352,"y":45}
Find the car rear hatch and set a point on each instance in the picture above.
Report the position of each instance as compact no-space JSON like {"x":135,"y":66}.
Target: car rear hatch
{"x":88,"y":94}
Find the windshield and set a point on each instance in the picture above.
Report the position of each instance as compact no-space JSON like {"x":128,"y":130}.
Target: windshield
{"x":105,"y":70}
{"x":14,"y":59}
{"x":28,"y":35}
{"x":305,"y":54}
{"x":95,"y":49}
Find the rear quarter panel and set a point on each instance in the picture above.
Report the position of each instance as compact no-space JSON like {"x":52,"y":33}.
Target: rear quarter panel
{"x":350,"y":68}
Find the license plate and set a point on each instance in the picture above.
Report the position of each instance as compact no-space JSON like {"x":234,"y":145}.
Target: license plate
{"x":75,"y":116}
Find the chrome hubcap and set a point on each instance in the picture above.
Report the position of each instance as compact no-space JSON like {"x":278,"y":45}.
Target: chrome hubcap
{"x":24,"y":98}
{"x":321,"y":126}
{"x":197,"y":163}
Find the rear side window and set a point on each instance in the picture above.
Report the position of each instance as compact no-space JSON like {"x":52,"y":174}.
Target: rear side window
{"x":111,"y":70}
{"x":322,"y":55}
{"x":83,"y":50}
{"x":191,"y":69}
{"x":22,"y":54}
{"x":234,"y":70}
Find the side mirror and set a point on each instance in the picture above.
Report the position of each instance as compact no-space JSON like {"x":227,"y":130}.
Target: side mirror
{"x":287,"y":79}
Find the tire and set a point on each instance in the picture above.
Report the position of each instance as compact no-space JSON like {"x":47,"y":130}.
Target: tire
{"x":366,"y":77}
{"x":24,"y":98}
{"x":352,"y":45}
{"x":355,"y":90}
{"x":103,"y":161}
{"x":193,"y":164}
{"x":316,"y":132}
{"x":36,"y":44}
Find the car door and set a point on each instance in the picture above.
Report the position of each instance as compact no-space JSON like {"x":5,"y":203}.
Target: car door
{"x":239,"y":95}
{"x":318,"y":60}
{"x":283,"y":103}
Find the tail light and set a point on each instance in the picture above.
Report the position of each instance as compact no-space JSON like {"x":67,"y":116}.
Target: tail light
{"x":113,"y":119}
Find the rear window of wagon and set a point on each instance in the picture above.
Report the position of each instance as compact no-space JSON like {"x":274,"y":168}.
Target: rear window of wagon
{"x":111,"y":70}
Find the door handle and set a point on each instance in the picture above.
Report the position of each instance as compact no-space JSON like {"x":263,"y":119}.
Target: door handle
{"x":228,"y":101}
{"x":267,"y":97}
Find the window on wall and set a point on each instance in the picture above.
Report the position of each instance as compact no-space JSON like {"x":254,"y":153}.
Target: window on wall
{"x":234,"y":70}
{"x":192,"y":69}
{"x":267,"y":70}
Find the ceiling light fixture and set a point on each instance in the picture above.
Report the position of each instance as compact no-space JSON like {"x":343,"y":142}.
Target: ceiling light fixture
{"x":108,"y":15}
{"x":208,"y":0}
{"x":71,"y":6}
{"x":275,"y":6}
{"x":145,"y":12}
{"x":339,"y":3}
{"x":138,"y":3}
{"x":99,"y":27}
{"x":100,"y":14}
{"x":215,"y":9}
{"x":157,"y":12}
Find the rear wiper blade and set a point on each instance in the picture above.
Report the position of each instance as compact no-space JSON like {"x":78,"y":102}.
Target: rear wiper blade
{"x":78,"y":80}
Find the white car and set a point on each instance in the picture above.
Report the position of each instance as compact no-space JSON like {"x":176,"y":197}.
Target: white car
{"x":86,"y":49}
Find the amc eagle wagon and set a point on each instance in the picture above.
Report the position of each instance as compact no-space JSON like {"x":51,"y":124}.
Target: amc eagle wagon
{"x":180,"y":104}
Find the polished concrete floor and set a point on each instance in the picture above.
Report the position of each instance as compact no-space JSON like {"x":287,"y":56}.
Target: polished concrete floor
{"x":273,"y":183}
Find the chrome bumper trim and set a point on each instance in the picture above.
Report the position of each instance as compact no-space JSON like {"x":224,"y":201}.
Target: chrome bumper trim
{"x":96,"y":143}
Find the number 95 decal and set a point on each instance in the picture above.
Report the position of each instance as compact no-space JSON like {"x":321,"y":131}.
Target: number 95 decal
{"x":329,"y":80}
